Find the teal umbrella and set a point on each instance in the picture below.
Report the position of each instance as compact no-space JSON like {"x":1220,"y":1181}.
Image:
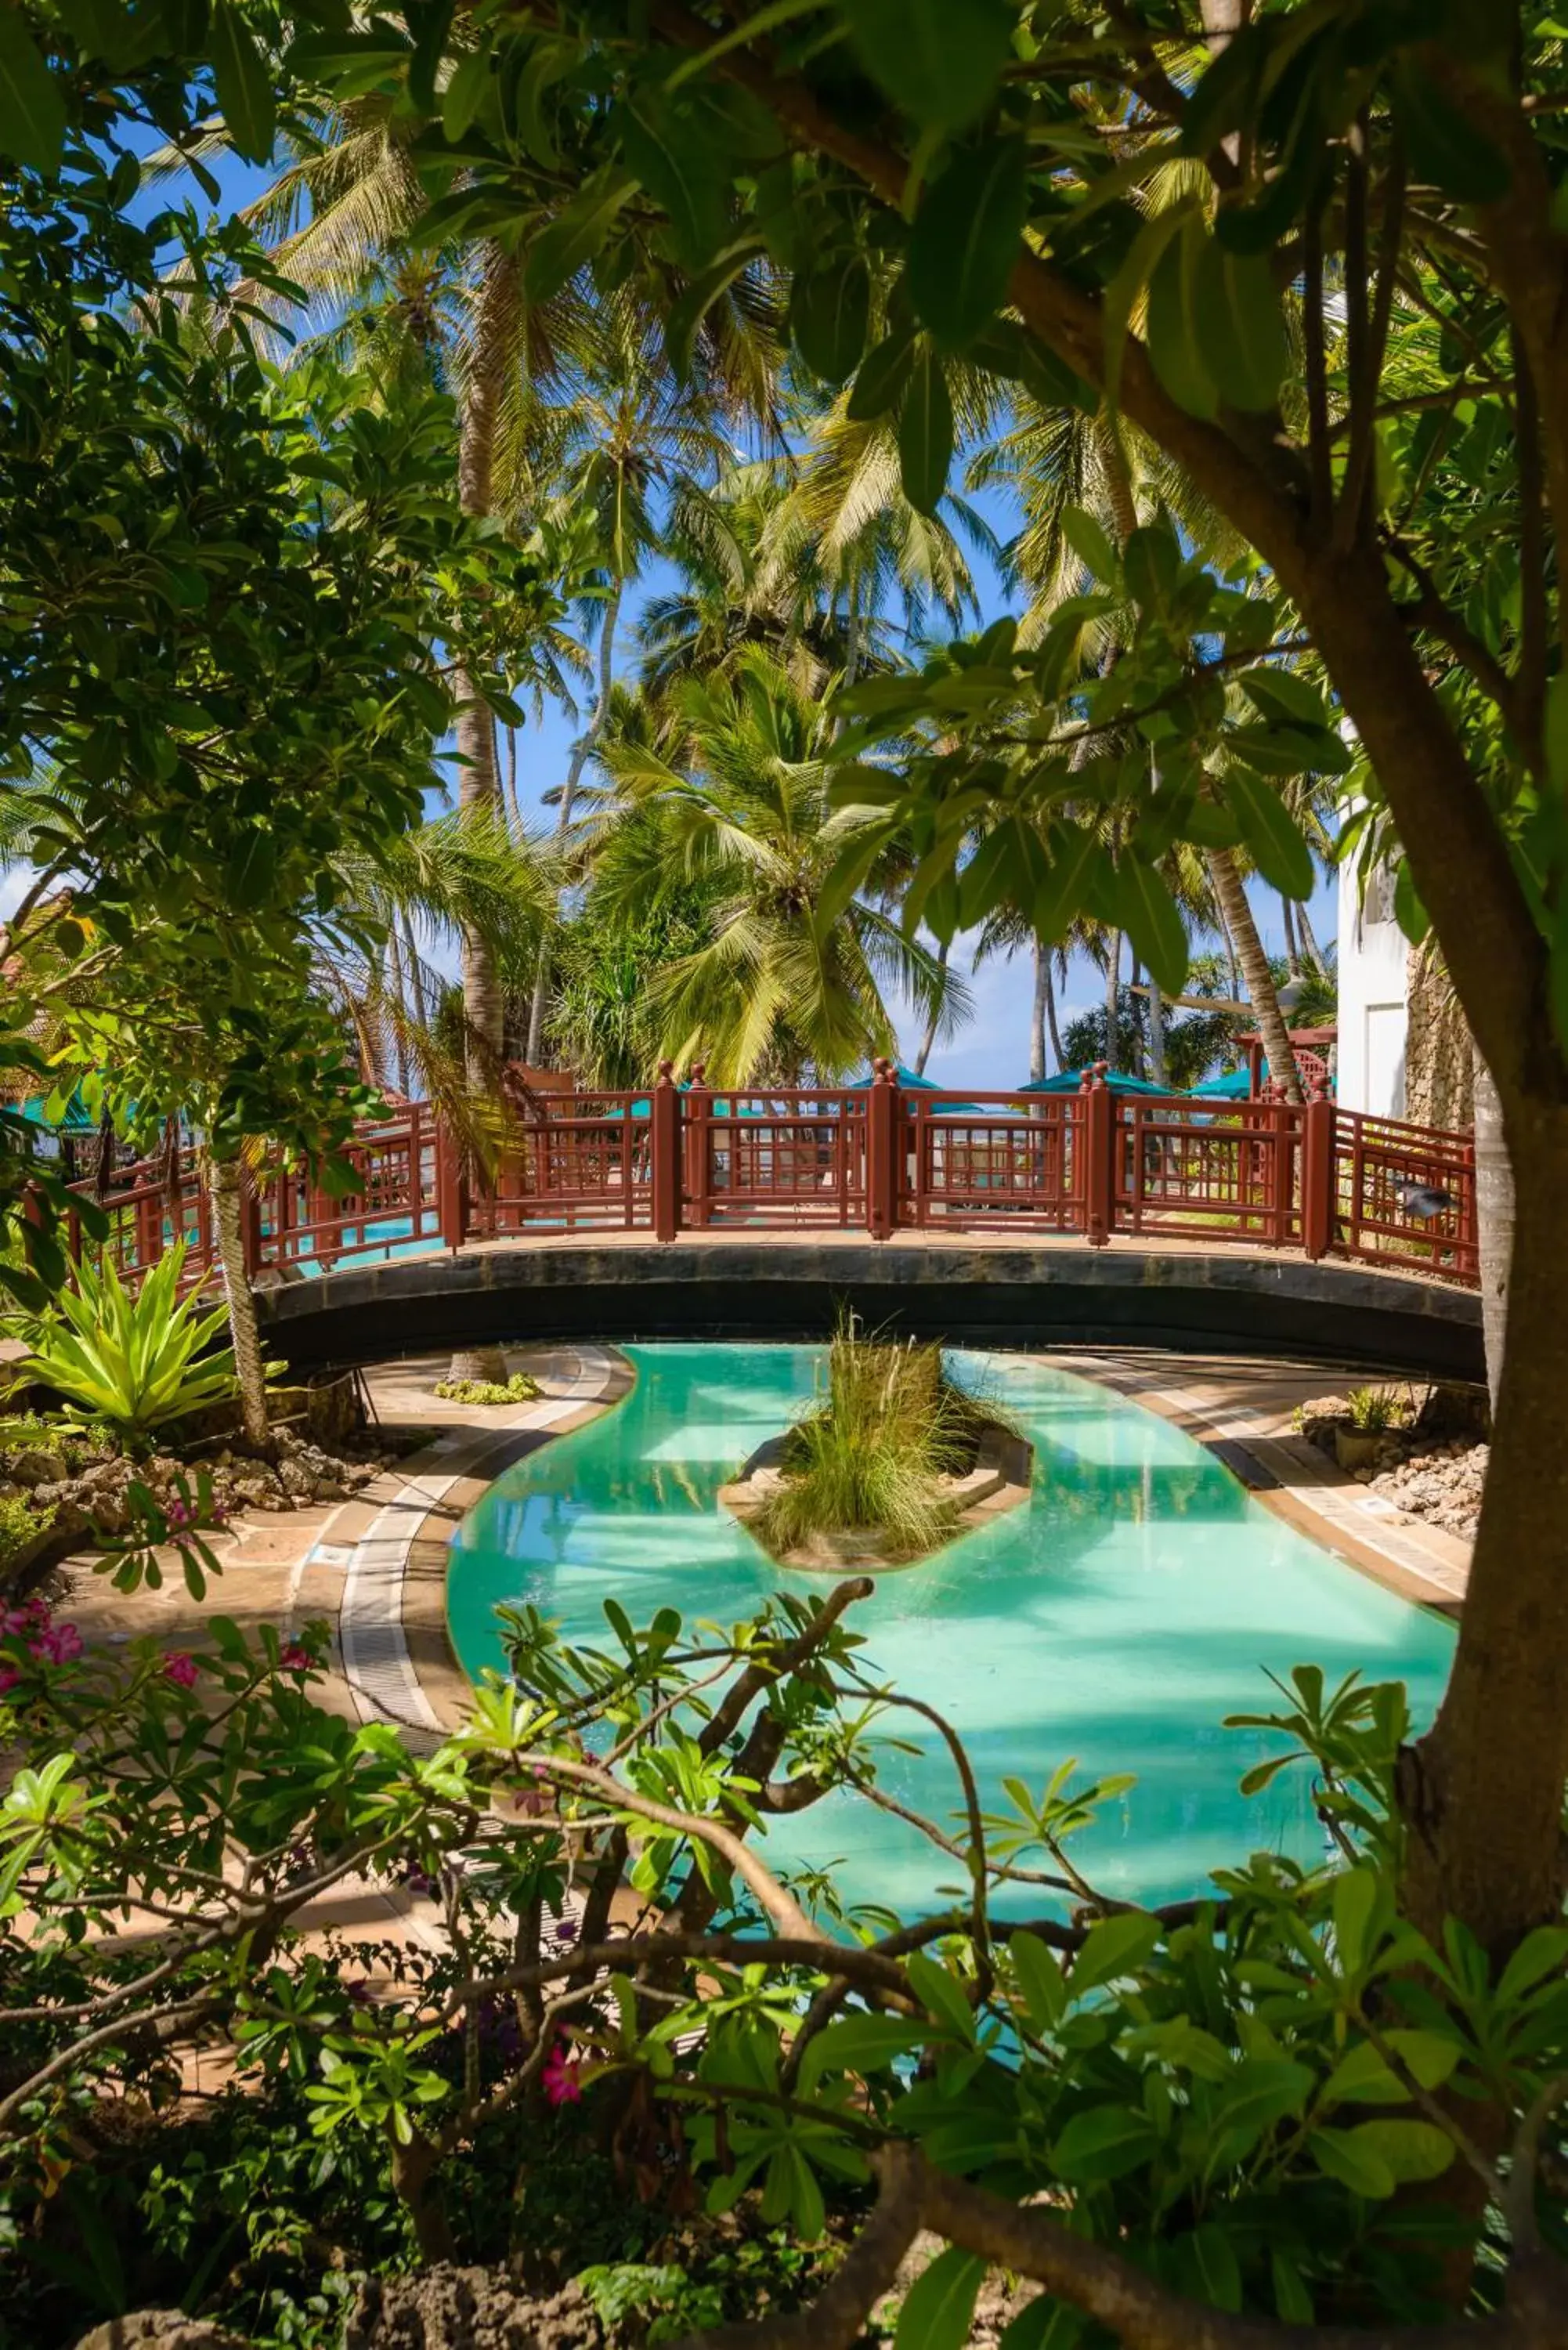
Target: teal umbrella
{"x":1234,"y":1086}
{"x":908,"y":1078}
{"x":76,"y":1119}
{"x":909,"y":1083}
{"x":1070,"y":1081}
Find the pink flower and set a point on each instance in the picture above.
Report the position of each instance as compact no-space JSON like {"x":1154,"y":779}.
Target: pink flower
{"x":9,"y":1677}
{"x":180,"y":1669}
{"x":59,"y":1646}
{"x":562,"y":2076}
{"x":534,"y":1802}
{"x":30,"y":1618}
{"x":296,"y":1658}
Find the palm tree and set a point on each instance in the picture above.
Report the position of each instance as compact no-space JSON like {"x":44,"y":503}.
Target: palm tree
{"x":1004,"y":933}
{"x":789,"y":980}
{"x":848,"y":520}
{"x":1057,"y":459}
{"x":341,"y":215}
{"x":734,"y":590}
{"x":631,"y":437}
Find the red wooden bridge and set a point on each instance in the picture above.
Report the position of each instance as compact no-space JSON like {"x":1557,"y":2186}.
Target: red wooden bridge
{"x":1311,"y":1180}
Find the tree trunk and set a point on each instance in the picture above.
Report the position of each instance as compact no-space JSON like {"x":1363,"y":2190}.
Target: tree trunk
{"x":1232,"y":968}
{"x":224,"y":1186}
{"x":1139,"y":1041}
{"x":1292,"y":948}
{"x":416,"y":978}
{"x":1113,"y":998}
{"x":1494,"y":1220}
{"x":413,"y":2168}
{"x":478,"y":786}
{"x":929,"y":1038}
{"x":1043,"y":1010}
{"x":513,"y":804}
{"x":400,"y":1000}
{"x":581,"y":752}
{"x":1242,"y":930}
{"x":1155,"y":1032}
{"x":1482,"y":1795}
{"x":1310,"y":947}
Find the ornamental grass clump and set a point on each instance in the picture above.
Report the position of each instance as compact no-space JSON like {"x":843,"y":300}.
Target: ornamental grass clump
{"x":873,"y":1456}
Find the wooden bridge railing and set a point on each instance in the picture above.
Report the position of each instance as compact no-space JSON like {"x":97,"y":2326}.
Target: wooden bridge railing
{"x":876,"y":1158}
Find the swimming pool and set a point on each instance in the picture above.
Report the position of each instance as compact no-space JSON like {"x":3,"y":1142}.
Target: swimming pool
{"x":1117,"y":1616}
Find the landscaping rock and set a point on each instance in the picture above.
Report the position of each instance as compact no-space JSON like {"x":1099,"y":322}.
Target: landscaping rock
{"x":37,"y":1467}
{"x":160,"y":2329}
{"x":1434,"y":1469}
{"x":449,"y":2308}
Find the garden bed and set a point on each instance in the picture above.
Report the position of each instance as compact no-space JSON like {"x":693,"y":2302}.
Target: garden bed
{"x":1424,"y":1453}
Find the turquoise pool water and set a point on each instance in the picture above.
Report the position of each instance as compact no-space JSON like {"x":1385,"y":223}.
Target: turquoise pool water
{"x":1135,"y":1601}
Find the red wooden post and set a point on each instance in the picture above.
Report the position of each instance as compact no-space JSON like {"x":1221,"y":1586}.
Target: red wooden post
{"x":1467,"y":1248}
{"x":696,"y":1146}
{"x":451,"y":1188}
{"x":1317,"y":1176}
{"x":1099,"y":1156}
{"x":1279,"y":1187}
{"x":284,"y":1225}
{"x":884,"y":1123}
{"x":664,"y":1114}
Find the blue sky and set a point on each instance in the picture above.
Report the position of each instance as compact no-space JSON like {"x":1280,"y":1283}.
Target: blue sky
{"x":992,"y":1050}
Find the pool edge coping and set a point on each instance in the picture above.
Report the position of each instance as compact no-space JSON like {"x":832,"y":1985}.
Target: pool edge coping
{"x":403,"y":1649}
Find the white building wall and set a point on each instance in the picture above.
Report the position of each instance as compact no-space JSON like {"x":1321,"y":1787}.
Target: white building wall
{"x":1371,"y":1008}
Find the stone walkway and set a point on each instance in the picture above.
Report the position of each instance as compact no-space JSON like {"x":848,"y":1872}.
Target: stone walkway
{"x":1241,"y":1410}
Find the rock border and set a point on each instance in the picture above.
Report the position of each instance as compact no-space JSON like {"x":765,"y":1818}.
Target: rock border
{"x":1000,"y":1480}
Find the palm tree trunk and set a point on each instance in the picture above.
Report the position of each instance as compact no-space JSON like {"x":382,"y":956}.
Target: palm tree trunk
{"x":400,"y":1000}
{"x":1292,"y":947}
{"x":1113,"y":998}
{"x":416,"y":977}
{"x":1494,"y":1220}
{"x":478,"y":780}
{"x":1232,"y":968}
{"x":1043,"y":1009}
{"x":581,"y":752}
{"x":1310,"y":947}
{"x":929,"y":1038}
{"x":227,"y":1200}
{"x":1242,"y":931}
{"x":1155,"y":1032}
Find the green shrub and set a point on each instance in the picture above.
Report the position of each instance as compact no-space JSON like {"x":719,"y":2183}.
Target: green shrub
{"x":22,"y":1521}
{"x":518,"y":1389}
{"x":130,"y":1361}
{"x":1373,"y":1410}
{"x":872,"y":1455}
